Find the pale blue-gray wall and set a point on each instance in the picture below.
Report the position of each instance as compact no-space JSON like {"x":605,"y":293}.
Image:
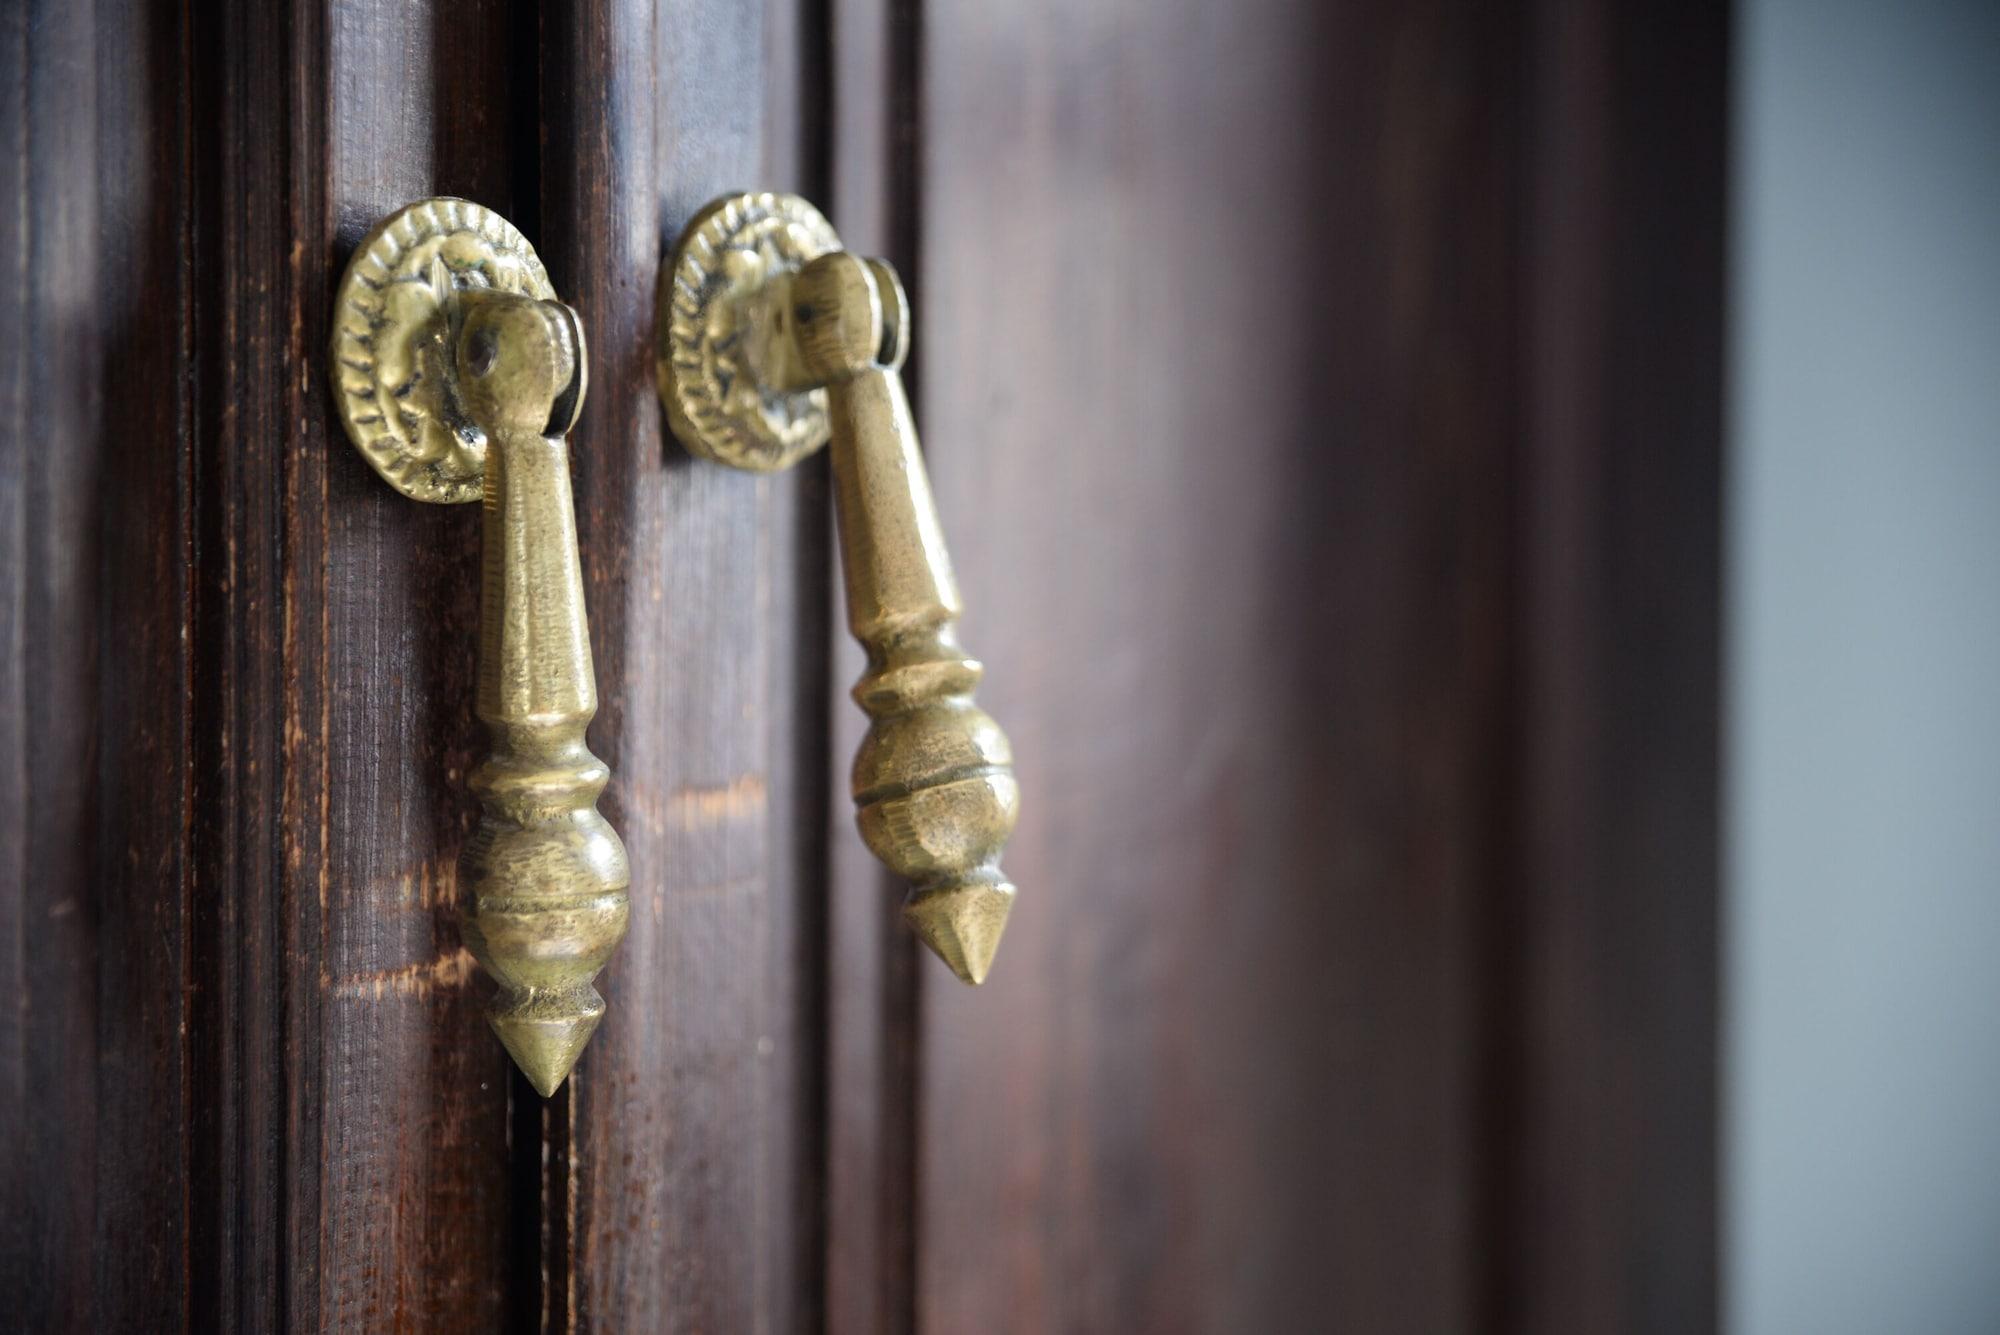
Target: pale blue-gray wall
{"x":1862,"y":1076}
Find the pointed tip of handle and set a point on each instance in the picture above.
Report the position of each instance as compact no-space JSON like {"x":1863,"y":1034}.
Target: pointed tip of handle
{"x":962,"y":923}
{"x":545,"y":1032}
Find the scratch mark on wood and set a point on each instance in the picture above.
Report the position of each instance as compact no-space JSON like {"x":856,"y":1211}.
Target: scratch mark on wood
{"x":432,"y":884}
{"x":693,"y":808}
{"x":413,"y":980}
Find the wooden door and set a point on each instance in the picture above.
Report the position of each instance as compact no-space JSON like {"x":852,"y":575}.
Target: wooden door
{"x":1323,"y":406}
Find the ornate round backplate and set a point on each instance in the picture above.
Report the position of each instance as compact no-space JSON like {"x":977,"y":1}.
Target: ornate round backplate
{"x":392,"y":340}
{"x":721,"y":403}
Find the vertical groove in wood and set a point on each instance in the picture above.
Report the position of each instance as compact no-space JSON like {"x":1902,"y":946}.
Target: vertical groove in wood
{"x":875,"y":119}
{"x":246,"y":1072}
{"x":304,"y":835}
{"x":798,"y":133}
{"x":598,"y":192}
{"x":903,"y":990}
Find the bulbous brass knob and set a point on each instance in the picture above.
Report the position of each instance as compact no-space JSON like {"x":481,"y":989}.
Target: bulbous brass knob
{"x":458,"y":376}
{"x":771,"y":342}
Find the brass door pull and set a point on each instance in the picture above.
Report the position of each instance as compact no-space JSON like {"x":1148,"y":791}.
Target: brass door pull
{"x":771,"y":340}
{"x":458,"y":376}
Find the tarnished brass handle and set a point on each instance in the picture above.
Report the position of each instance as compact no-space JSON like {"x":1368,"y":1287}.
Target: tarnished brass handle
{"x":771,"y":341}
{"x":459,"y":376}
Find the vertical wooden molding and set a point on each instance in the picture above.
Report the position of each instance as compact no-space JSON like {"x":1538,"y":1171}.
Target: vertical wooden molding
{"x":691,"y":1141}
{"x":260,"y":734}
{"x":1611,"y":1222}
{"x":350,"y":1125}
{"x":875,"y":113}
{"x":95,"y":668}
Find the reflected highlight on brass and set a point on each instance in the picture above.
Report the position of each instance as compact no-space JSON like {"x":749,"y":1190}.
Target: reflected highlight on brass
{"x":451,"y":363}
{"x":772,"y":341}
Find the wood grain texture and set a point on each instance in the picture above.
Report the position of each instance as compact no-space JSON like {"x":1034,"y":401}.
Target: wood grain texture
{"x":255,"y":1089}
{"x":253,"y":1257}
{"x":356,"y":1133}
{"x":267,"y":1102}
{"x":94,"y":669}
{"x":410,"y":1088}
{"x":683,"y":1187}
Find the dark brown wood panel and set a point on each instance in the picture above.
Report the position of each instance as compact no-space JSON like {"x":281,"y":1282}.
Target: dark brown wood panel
{"x":685,"y":1159}
{"x":1216,"y":317}
{"x":1610,"y":1218}
{"x":359,"y":1140}
{"x":415,"y":1201}
{"x":94,"y":668}
{"x":254,"y":1037}
{"x":873,"y":118}
{"x":255,"y":1088}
